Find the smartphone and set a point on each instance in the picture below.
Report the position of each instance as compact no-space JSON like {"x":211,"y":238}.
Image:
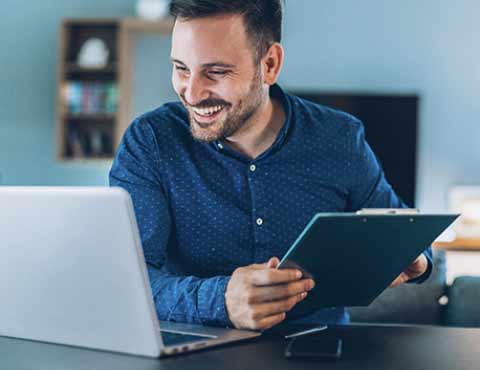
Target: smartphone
{"x":323,"y":346}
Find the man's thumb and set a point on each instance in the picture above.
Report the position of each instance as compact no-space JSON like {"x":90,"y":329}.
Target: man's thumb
{"x":273,"y":262}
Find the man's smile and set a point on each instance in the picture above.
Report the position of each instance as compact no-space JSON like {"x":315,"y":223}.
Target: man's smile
{"x":205,"y":116}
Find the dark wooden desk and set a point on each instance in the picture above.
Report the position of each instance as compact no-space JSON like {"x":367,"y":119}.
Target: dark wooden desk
{"x":364,"y":347}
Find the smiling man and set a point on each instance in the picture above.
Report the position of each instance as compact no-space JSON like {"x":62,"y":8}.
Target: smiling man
{"x":225,"y":180}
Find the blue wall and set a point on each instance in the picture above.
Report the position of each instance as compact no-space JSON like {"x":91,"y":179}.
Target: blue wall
{"x":426,"y":47}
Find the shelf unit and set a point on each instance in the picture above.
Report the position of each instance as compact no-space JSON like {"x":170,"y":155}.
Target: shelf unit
{"x":459,"y":244}
{"x":94,"y":104}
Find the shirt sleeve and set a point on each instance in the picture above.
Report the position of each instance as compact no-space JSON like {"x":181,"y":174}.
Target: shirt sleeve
{"x":370,"y":189}
{"x":137,"y":169}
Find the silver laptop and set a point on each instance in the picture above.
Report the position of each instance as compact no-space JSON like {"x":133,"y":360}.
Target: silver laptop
{"x":72,"y":271}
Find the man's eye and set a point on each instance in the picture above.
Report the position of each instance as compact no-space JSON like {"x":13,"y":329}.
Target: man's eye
{"x":218,"y":73}
{"x":179,"y":68}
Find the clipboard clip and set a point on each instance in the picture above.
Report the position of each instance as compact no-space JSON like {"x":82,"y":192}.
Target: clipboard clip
{"x":388,"y":211}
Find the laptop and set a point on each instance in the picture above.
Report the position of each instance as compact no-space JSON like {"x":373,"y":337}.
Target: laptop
{"x":72,"y":272}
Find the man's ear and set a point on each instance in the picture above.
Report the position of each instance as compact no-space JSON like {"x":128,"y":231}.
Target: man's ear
{"x":272,"y":63}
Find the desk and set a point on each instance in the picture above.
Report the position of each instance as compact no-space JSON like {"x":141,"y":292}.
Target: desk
{"x":364,"y":347}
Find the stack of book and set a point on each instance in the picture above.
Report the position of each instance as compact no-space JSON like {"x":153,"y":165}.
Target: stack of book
{"x":90,"y":97}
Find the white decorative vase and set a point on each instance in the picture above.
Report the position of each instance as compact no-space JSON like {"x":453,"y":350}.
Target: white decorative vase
{"x":152,"y":10}
{"x":93,"y":54}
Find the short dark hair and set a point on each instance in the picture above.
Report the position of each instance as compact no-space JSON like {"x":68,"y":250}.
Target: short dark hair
{"x":262,"y":18}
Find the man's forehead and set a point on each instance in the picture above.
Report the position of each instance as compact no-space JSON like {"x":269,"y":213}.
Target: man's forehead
{"x":210,"y":39}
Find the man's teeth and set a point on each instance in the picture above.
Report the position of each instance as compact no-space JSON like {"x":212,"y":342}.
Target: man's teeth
{"x":208,"y":111}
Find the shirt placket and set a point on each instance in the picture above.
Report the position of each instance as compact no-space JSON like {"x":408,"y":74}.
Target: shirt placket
{"x":258,"y":221}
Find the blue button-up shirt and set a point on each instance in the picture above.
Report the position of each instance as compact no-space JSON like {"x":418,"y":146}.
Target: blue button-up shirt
{"x":204,"y":209}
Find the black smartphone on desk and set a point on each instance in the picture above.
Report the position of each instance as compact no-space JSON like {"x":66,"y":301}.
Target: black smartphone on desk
{"x":322,"y":346}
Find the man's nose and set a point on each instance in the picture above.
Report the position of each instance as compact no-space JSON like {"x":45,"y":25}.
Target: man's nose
{"x":195,"y":91}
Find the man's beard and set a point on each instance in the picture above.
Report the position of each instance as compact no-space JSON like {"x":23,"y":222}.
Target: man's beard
{"x":234,"y":120}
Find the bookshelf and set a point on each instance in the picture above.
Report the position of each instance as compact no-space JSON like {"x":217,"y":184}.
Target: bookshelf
{"x":94,"y":103}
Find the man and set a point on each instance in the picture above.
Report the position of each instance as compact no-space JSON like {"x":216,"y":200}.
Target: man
{"x":223,"y":182}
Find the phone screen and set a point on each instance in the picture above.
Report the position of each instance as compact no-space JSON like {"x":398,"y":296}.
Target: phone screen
{"x":320,"y":346}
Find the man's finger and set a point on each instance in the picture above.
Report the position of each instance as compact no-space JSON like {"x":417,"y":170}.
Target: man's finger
{"x":273,"y":262}
{"x":280,"y":291}
{"x":263,"y":310}
{"x":262,"y":277}
{"x":270,"y":321}
{"x":402,"y":278}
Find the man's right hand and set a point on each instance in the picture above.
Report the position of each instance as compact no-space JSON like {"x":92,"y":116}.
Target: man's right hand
{"x":258,"y":296}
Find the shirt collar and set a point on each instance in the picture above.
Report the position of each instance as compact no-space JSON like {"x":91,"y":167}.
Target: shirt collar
{"x":277,"y":92}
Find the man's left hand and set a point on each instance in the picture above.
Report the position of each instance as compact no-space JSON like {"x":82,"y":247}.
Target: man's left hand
{"x":417,"y":268}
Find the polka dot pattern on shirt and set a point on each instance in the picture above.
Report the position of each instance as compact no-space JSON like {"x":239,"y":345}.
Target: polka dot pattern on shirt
{"x":203,"y":209}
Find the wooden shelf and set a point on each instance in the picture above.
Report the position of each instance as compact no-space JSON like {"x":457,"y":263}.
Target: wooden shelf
{"x":96,"y":117}
{"x":163,"y":26}
{"x":101,"y":160}
{"x":459,"y":244}
{"x":90,"y":21}
{"x":79,"y":133}
{"x":75,"y":68}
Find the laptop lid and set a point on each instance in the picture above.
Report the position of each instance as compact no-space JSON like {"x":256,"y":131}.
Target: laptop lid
{"x":72,"y":270}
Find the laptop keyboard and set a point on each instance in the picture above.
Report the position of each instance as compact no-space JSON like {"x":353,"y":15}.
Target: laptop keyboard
{"x":171,"y":339}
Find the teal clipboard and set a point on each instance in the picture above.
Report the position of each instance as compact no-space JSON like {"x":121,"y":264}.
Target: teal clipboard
{"x":354,"y":257}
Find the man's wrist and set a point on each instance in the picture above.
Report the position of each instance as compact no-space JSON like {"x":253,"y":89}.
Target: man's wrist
{"x":211,"y":301}
{"x":426,"y":274}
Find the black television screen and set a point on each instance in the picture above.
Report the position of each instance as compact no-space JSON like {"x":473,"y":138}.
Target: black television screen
{"x":390,"y":128}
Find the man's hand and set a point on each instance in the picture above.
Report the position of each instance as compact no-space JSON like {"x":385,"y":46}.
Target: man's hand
{"x":417,"y":268}
{"x":258,"y":296}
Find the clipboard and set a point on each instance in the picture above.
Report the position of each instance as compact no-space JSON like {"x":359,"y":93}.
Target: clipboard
{"x":353,"y":257}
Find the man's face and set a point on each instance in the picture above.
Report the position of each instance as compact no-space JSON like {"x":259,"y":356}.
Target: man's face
{"x":215,"y":76}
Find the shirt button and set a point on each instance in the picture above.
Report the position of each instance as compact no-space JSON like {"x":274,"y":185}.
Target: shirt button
{"x":220,"y":145}
{"x":253,"y":167}
{"x":259,"y":221}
